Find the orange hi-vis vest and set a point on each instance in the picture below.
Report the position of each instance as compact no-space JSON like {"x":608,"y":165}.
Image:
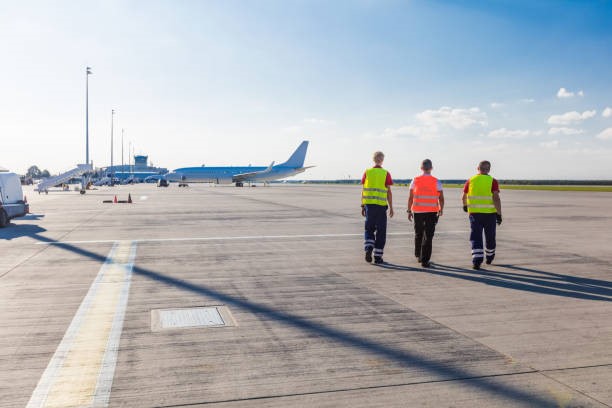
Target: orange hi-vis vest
{"x":426,"y":194}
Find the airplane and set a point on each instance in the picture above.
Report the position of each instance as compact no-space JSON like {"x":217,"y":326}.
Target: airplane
{"x":240,"y":175}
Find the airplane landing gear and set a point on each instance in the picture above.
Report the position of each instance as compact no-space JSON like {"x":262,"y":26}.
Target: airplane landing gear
{"x":239,"y":184}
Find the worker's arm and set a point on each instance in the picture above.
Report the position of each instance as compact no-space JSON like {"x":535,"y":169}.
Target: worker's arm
{"x":410,"y":201}
{"x":464,"y":201}
{"x":441,"y":201}
{"x":390,"y":201}
{"x":497,"y":202}
{"x":363,"y":210}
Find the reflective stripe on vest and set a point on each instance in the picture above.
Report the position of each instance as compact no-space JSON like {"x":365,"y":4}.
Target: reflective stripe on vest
{"x":480,"y":197}
{"x":425,"y":194}
{"x":374,"y":189}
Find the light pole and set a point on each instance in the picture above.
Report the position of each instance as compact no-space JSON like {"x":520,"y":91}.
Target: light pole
{"x":112,"y":171}
{"x":134,"y":160}
{"x":87,"y":74}
{"x":122,"y":168}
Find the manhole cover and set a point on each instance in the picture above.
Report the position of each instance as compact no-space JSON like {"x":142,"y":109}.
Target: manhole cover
{"x":188,"y":318}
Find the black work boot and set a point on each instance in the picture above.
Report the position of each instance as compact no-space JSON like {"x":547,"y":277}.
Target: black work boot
{"x":476,"y":266}
{"x":378,"y":260}
{"x":368,"y":256}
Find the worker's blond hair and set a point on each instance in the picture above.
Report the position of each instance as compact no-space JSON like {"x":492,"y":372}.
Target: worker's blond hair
{"x":378,"y":157}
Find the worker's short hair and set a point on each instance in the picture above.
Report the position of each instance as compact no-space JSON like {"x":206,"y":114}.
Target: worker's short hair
{"x":484,"y":165}
{"x":378,"y":156}
{"x":427,"y":164}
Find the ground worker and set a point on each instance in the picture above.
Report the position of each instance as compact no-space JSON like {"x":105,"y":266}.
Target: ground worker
{"x":481,"y":200}
{"x":425,"y":205}
{"x":376,"y":197}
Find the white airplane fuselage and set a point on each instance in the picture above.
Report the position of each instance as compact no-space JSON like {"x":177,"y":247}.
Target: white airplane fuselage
{"x":245,"y":174}
{"x":225,"y":175}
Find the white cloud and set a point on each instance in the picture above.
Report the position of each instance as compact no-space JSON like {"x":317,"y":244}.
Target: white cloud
{"x":565,"y":94}
{"x":497,"y":105}
{"x":456,"y":118}
{"x":403,"y":131}
{"x":420,"y":132}
{"x":504,"y":133}
{"x":292,"y":129}
{"x":553,"y":144}
{"x":528,"y":100}
{"x":316,"y":121}
{"x":308,"y":123}
{"x":606,"y":134}
{"x":569,"y":118}
{"x":564,"y":131}
{"x":431,"y":123}
{"x":607,"y":113}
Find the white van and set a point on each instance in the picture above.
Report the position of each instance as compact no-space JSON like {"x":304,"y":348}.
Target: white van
{"x":11,"y":198}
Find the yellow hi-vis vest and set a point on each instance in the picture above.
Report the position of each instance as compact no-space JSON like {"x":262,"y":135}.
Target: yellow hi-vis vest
{"x":374,"y":188}
{"x":480,"y":197}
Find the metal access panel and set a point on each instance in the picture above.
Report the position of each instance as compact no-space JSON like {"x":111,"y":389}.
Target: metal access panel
{"x":189,"y":318}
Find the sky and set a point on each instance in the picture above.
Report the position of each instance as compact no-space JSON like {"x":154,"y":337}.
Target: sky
{"x":524,"y":84}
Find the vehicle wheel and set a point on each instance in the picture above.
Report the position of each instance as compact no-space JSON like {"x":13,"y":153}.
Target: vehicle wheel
{"x":3,"y":219}
{"x":82,"y":191}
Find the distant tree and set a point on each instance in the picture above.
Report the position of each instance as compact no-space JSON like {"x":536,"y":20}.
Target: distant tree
{"x":33,"y":172}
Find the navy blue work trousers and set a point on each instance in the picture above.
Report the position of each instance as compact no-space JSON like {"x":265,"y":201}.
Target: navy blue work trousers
{"x":375,"y":228}
{"x":479,"y":224}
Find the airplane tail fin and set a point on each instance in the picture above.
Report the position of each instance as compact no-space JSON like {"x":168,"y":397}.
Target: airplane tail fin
{"x":297,"y":158}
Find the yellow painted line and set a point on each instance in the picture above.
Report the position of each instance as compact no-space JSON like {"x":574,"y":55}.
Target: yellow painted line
{"x":81,"y":370}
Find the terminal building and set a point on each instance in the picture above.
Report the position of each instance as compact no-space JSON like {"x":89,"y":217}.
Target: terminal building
{"x":136,"y":171}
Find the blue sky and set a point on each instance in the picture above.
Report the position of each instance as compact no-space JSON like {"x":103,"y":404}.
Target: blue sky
{"x":524,"y":84}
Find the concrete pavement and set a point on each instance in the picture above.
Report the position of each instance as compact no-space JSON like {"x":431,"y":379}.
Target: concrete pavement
{"x":82,"y":283}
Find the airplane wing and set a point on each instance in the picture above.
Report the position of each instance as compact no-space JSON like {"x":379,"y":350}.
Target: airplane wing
{"x":252,"y":176}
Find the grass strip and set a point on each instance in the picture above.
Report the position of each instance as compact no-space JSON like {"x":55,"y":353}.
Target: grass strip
{"x":545,"y":187}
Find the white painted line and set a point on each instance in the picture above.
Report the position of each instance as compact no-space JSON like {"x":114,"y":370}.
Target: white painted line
{"x":81,"y":371}
{"x":236,"y":238}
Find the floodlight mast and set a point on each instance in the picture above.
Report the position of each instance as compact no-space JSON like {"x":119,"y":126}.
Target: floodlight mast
{"x":87,"y":74}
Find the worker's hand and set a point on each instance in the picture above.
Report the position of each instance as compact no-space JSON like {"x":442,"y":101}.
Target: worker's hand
{"x":391,"y":213}
{"x":410,"y":216}
{"x":440,"y":213}
{"x":498,"y":219}
{"x":363,"y":211}
{"x":465,"y":208}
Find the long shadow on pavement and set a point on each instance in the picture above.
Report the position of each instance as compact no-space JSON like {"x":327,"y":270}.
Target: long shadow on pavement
{"x":537,"y":281}
{"x":489,"y":384}
{"x":21,"y":230}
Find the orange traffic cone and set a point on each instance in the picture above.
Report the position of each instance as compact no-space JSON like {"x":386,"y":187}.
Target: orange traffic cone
{"x":129,"y":198}
{"x":115,"y":200}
